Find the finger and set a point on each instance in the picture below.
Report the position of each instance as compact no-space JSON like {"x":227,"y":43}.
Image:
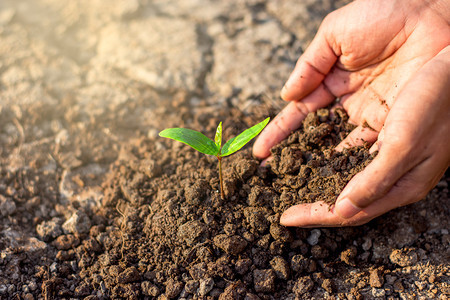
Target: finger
{"x":358,"y":136}
{"x":312,"y":66}
{"x":266,"y":161}
{"x":289,"y":119}
{"x":316,"y":214}
{"x":365,"y":105}
{"x":377,"y":145}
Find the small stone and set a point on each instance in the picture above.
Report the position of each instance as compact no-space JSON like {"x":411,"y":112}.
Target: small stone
{"x":313,"y":238}
{"x":230,"y":244}
{"x":264,"y":280}
{"x":206,"y":285}
{"x":53,"y":267}
{"x":78,"y":223}
{"x":49,"y":230}
{"x":367,"y":244}
{"x":7,"y":206}
{"x":378,"y":292}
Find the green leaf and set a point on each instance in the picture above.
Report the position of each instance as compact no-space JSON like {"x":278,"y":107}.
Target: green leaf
{"x":218,"y":137}
{"x":193,"y":138}
{"x":239,"y":141}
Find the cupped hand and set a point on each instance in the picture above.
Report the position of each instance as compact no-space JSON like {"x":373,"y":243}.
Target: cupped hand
{"x":388,"y":62}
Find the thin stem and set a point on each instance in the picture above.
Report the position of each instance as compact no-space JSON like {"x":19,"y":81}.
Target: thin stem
{"x":222,"y":194}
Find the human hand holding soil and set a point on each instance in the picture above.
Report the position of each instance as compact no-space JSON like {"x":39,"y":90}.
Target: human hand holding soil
{"x":389,"y":63}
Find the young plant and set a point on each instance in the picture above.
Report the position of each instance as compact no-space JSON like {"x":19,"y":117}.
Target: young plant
{"x":203,"y":144}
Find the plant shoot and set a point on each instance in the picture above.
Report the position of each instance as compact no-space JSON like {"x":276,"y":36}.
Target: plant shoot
{"x":203,"y":144}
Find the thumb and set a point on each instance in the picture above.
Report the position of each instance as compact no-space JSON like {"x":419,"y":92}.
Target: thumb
{"x":312,"y":67}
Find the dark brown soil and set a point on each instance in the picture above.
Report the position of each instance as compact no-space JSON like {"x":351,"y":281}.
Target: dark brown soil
{"x":162,"y":230}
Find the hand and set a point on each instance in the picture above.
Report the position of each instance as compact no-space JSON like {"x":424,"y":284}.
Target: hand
{"x":389,"y":62}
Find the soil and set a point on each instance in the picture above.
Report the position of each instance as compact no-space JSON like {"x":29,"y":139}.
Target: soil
{"x":162,"y":230}
{"x":94,"y":205}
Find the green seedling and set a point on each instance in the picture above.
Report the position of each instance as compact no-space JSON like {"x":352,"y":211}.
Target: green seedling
{"x":203,"y":144}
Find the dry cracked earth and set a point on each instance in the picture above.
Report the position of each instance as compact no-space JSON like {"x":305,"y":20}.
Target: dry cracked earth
{"x":85,"y":86}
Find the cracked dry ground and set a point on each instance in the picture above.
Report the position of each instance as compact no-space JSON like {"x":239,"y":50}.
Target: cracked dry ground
{"x":94,"y":205}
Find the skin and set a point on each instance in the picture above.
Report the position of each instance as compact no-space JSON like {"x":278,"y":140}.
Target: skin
{"x":389,"y":63}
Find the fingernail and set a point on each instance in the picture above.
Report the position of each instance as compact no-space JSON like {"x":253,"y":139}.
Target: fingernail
{"x":346,"y":209}
{"x":283,"y":90}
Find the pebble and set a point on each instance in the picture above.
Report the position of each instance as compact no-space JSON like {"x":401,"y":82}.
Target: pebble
{"x":367,"y":244}
{"x":378,"y":292}
{"x":314,"y":236}
{"x":206,"y":285}
{"x":53,"y":267}
{"x":7,"y":206}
